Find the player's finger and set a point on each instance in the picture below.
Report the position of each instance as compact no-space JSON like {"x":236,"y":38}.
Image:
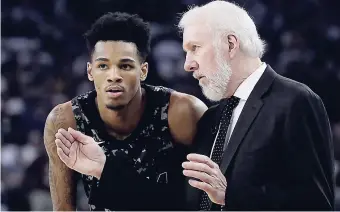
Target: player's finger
{"x":62,"y":146}
{"x":84,"y":139}
{"x":63,"y":157}
{"x":66,"y":134}
{"x":62,"y":138}
{"x":73,"y":150}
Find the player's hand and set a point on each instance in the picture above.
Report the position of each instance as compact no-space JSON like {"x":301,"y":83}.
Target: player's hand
{"x":210,"y":178}
{"x":80,"y":152}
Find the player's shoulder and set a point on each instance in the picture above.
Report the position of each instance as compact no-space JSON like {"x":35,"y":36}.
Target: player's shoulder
{"x":61,"y":116}
{"x":187,"y":103}
{"x":180,"y":102}
{"x":184,"y":113}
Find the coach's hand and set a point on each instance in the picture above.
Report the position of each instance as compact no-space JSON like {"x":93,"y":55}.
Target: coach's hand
{"x":211,"y":179}
{"x":80,"y":152}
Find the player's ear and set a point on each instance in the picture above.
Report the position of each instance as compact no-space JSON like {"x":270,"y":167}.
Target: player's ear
{"x":89,"y":71}
{"x":144,"y":71}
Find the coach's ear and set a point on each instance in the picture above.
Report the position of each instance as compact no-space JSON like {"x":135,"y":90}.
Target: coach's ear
{"x":144,"y":71}
{"x":89,"y":71}
{"x":233,"y":44}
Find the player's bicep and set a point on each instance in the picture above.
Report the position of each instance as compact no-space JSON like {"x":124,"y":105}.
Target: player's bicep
{"x":61,"y":179}
{"x":184,"y":113}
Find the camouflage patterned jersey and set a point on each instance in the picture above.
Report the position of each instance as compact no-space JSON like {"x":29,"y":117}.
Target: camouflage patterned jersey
{"x":150,"y":145}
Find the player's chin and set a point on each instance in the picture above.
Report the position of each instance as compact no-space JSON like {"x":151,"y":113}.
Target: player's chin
{"x":115,"y":106}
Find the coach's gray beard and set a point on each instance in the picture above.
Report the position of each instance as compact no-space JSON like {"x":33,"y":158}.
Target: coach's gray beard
{"x":218,"y":82}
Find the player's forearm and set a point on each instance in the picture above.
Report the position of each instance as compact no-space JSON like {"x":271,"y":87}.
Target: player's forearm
{"x":62,"y":188}
{"x":61,"y":179}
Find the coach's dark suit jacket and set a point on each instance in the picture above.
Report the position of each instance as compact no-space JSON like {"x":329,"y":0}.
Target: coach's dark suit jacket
{"x":280,"y":154}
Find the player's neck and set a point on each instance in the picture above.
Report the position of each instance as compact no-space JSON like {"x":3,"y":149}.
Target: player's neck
{"x":124,"y":121}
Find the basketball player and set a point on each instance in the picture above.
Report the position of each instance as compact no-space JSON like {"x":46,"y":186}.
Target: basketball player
{"x":143,"y":130}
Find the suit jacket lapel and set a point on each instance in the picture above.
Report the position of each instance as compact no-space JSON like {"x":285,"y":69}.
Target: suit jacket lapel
{"x":247,"y":116}
{"x":249,"y":112}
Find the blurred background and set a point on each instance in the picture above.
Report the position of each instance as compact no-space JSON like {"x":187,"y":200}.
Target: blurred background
{"x":43,"y":63}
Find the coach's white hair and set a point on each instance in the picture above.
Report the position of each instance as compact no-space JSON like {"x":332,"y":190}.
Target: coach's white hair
{"x":224,"y":18}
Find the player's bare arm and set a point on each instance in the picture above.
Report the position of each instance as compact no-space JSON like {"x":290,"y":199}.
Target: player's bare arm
{"x":61,"y":179}
{"x":184,"y":113}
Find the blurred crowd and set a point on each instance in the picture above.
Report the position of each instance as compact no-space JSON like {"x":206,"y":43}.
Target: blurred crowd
{"x":43,"y":63}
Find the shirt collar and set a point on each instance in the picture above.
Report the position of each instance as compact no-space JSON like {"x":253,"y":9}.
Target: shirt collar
{"x":244,"y":90}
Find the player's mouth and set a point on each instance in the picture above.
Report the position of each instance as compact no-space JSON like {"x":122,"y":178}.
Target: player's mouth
{"x":114,"y":91}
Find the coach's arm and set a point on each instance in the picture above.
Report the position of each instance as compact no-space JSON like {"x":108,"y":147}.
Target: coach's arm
{"x":308,"y":164}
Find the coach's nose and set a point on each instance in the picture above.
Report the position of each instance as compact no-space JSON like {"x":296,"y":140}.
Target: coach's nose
{"x":190,"y":65}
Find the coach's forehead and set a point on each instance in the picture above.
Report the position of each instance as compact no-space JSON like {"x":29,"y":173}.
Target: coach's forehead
{"x":196,"y":34}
